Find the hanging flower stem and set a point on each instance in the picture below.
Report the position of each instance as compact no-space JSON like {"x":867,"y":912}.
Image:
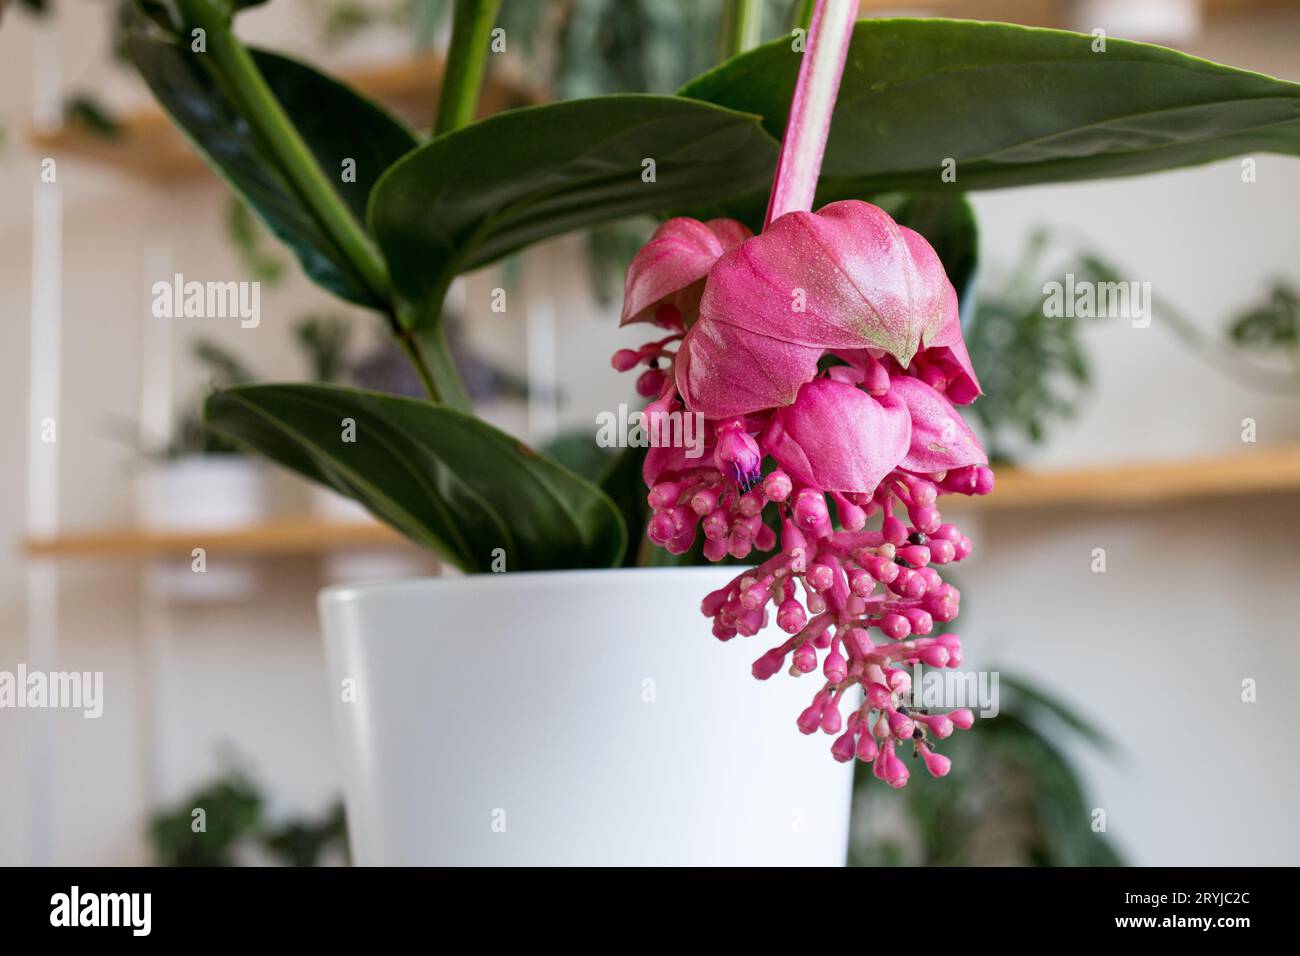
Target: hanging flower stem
{"x":800,"y":161}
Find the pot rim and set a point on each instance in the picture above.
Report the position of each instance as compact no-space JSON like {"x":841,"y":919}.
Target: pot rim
{"x":339,"y":594}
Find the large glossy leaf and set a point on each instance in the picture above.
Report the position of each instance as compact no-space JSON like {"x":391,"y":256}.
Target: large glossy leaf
{"x":335,"y":122}
{"x":1012,"y":105}
{"x":475,"y":194}
{"x":445,"y":479}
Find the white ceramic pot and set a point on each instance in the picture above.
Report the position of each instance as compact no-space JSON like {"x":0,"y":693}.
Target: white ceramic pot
{"x":205,"y":492}
{"x":580,"y":717}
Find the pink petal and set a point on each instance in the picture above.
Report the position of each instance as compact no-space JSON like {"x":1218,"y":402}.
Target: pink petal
{"x":663,"y":463}
{"x":947,"y":349}
{"x":838,"y":438}
{"x":669,"y":270}
{"x":846,"y":277}
{"x":940,"y":439}
{"x":723,"y":371}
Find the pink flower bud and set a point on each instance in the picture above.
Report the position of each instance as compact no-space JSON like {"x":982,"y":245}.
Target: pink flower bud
{"x":831,"y":721}
{"x":777,"y":486}
{"x":900,"y":725}
{"x":924,"y":517}
{"x":737,"y":455}
{"x":866,"y":748}
{"x":715,"y":549}
{"x":937,"y":764}
{"x":739,"y":545}
{"x":810,"y":511}
{"x":836,"y":668}
{"x":790,"y":616}
{"x":934,"y":655}
{"x":625,"y":359}
{"x":915,"y":554}
{"x":852,"y":518}
{"x":842,"y":749}
{"x":650,"y":382}
{"x":664,"y":495}
{"x":704,"y":501}
{"x":821,"y":577}
{"x":878,"y":697}
{"x":895,"y":626}
{"x":768,"y":664}
{"x":895,"y":531}
{"x":942,"y":551}
{"x":962,"y":718}
{"x":921,"y":622}
{"x":661,"y":528}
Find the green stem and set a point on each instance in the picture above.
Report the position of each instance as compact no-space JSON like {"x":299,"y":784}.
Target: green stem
{"x":803,"y":12}
{"x":741,"y":24}
{"x":441,"y":370}
{"x":237,"y":74}
{"x":235,"y":71}
{"x":467,"y":52}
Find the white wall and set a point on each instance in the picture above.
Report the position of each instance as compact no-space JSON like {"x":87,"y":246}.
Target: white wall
{"x":1154,"y":649}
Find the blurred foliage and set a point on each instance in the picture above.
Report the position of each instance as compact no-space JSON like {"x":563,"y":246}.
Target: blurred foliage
{"x":190,"y":437}
{"x":233,"y":821}
{"x":305,"y":842}
{"x":232,"y":809}
{"x":609,"y":249}
{"x":1033,"y":367}
{"x":1273,"y":324}
{"x":86,"y":112}
{"x":248,"y":237}
{"x":1013,"y":796}
{"x":324,"y":340}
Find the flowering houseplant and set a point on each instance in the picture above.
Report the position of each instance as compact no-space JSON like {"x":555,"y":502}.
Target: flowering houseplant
{"x":825,"y":343}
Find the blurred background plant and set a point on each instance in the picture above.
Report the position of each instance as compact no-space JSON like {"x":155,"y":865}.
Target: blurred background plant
{"x":1014,"y":797}
{"x":1036,"y":368}
{"x":223,"y":823}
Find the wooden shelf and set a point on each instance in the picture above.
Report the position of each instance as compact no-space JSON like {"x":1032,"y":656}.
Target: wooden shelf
{"x":284,"y":536}
{"x":1259,"y":470}
{"x":1262,"y":470}
{"x":147,"y":145}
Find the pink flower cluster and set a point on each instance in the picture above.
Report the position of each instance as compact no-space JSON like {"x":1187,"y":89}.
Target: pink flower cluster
{"x":825,"y":355}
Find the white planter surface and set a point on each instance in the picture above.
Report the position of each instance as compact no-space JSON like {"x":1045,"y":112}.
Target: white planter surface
{"x":584,"y":717}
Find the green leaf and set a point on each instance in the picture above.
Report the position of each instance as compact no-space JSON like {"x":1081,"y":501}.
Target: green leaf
{"x":473,"y":195}
{"x":443,"y":478}
{"x":1012,"y":105}
{"x":621,"y":480}
{"x":1033,"y":700}
{"x":169,"y":14}
{"x":334,"y":121}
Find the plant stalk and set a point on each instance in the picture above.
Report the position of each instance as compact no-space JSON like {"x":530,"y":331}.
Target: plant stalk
{"x":235,"y":71}
{"x":467,"y":52}
{"x":741,"y":26}
{"x":804,"y":144}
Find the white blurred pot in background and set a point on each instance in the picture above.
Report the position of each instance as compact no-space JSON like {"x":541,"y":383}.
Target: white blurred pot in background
{"x":203,"y":493}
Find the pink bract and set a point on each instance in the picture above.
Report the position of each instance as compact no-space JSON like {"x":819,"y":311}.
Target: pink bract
{"x":836,"y":437}
{"x":666,"y":277}
{"x":845,"y":278}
